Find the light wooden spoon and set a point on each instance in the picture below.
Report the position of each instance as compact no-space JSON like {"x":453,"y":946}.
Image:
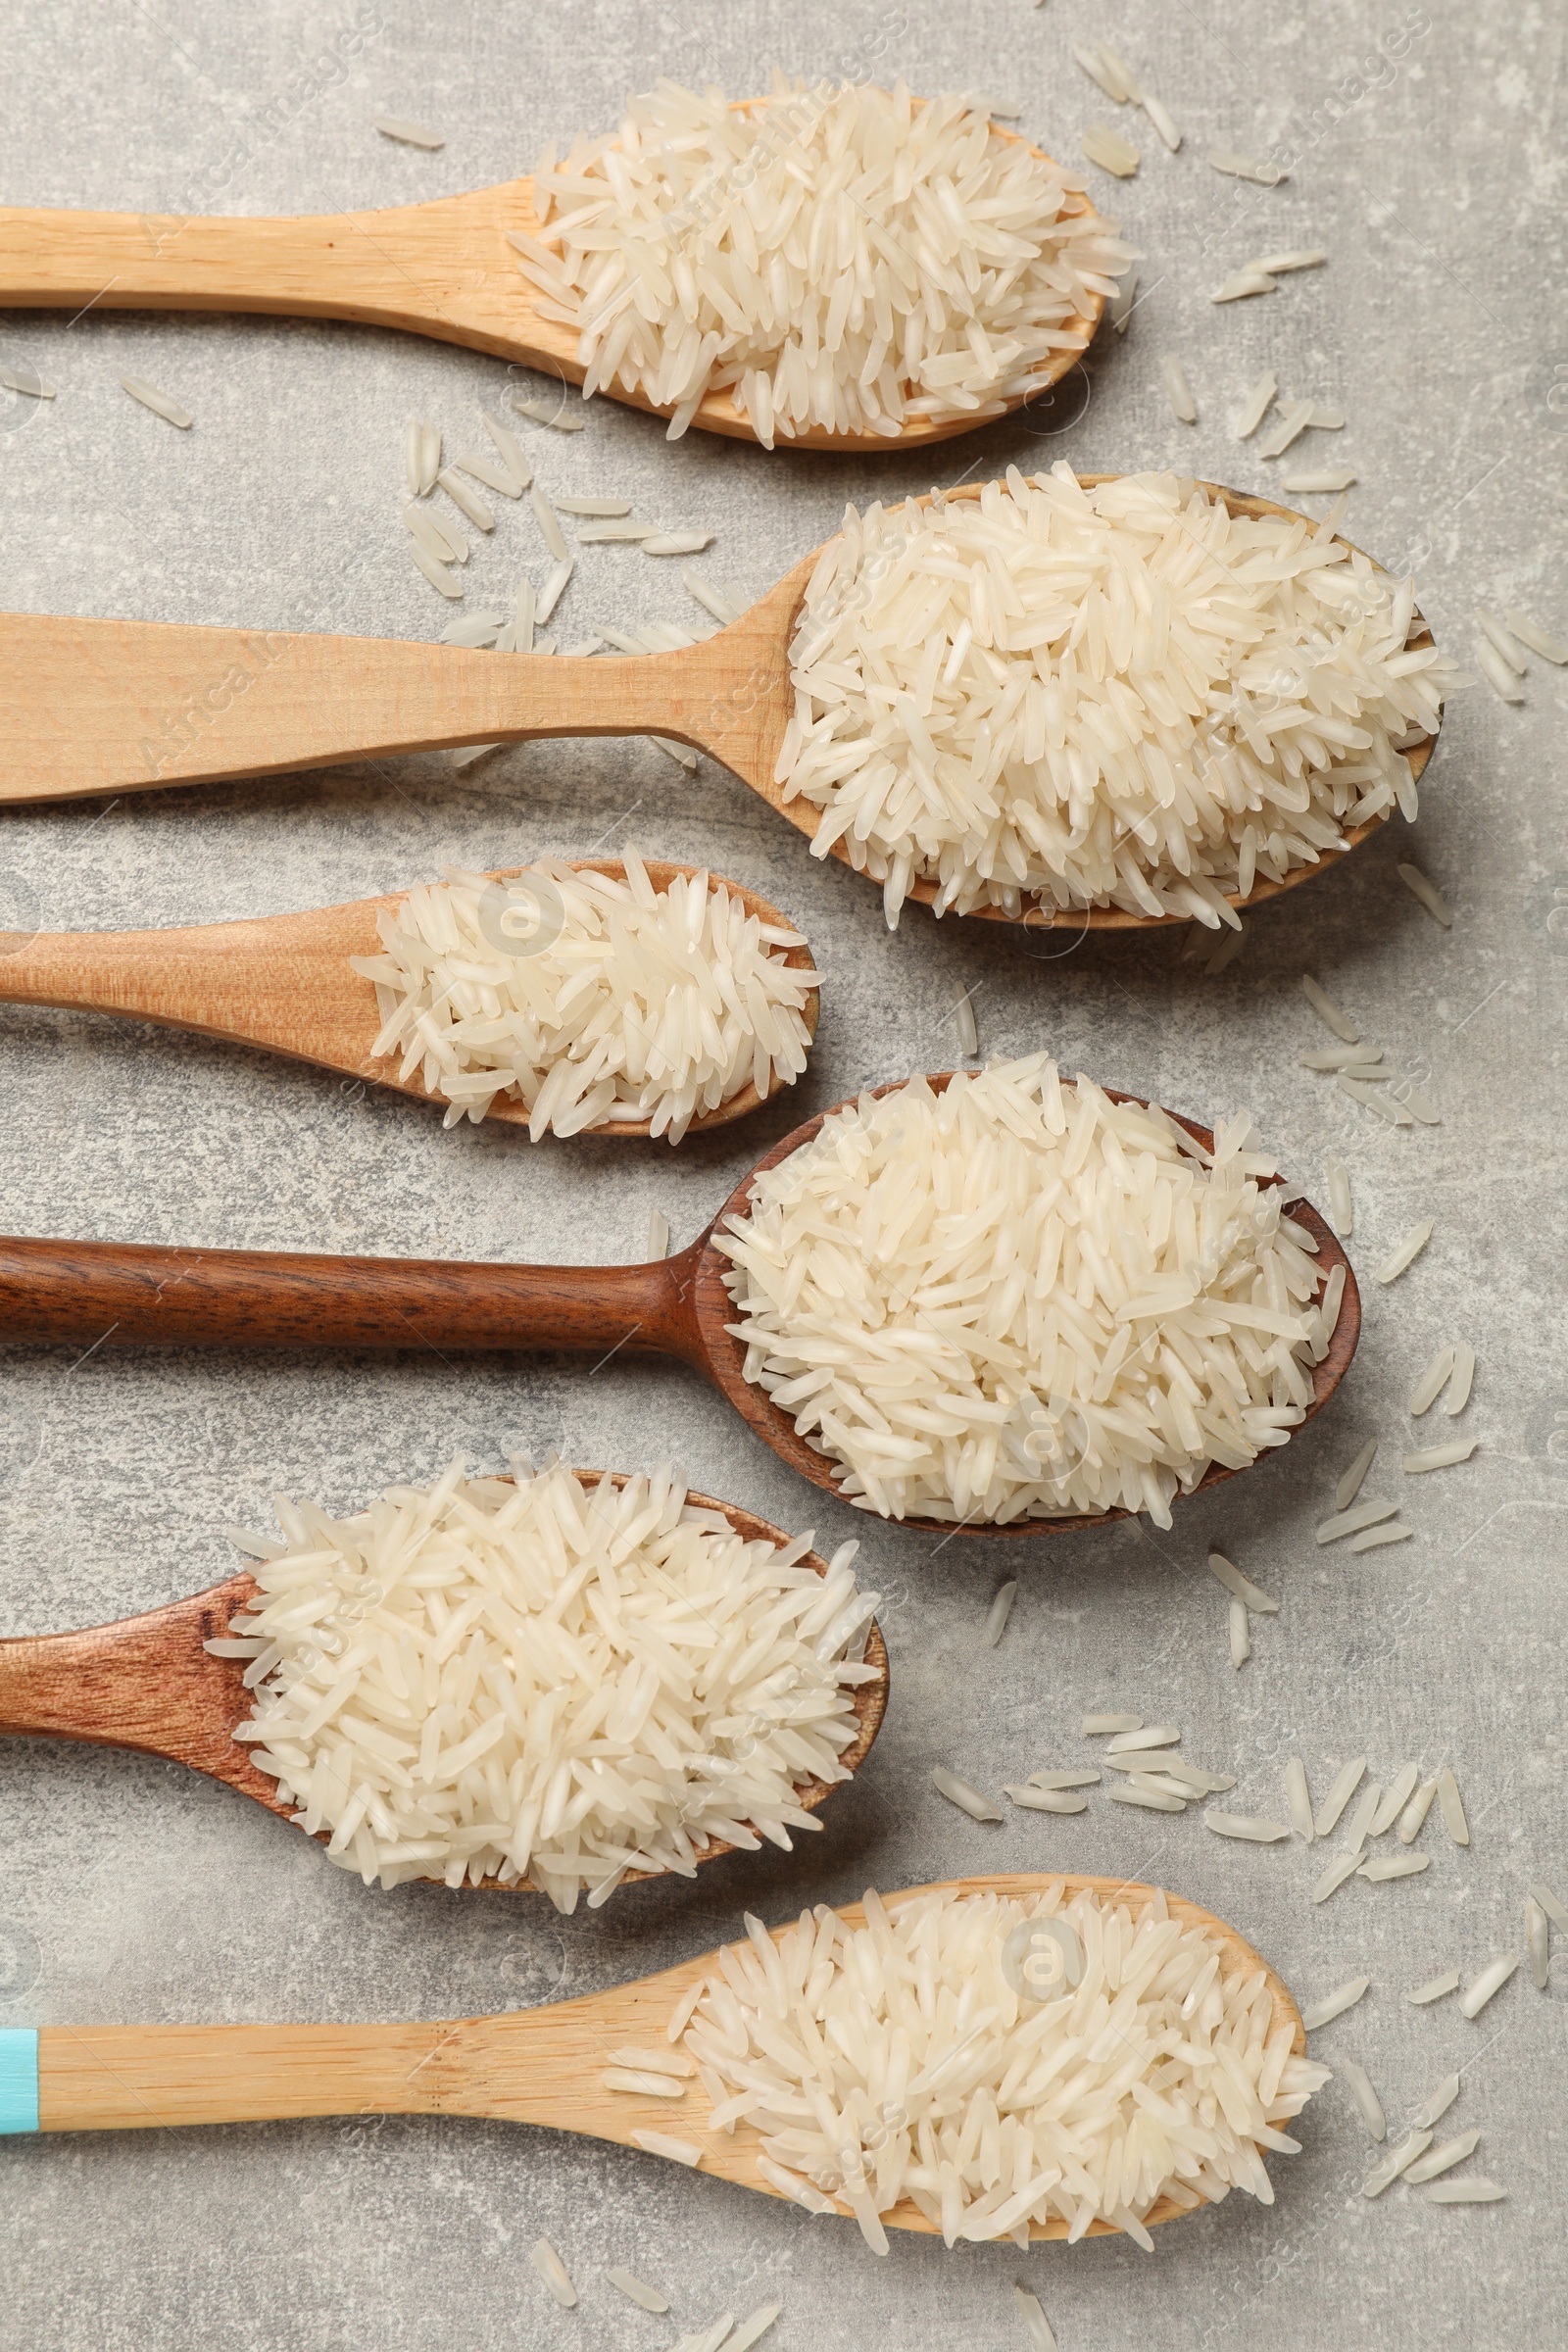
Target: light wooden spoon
{"x":83,"y":1294}
{"x":147,"y":1682}
{"x":444,"y":269}
{"x":530,"y":2066}
{"x":125,"y":705}
{"x":283,"y":982}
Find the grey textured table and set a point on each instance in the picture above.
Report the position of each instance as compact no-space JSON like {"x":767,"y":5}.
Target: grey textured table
{"x":1429,"y":161}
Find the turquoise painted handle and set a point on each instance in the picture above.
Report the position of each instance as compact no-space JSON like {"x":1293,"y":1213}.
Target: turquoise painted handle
{"x":18,"y":2078}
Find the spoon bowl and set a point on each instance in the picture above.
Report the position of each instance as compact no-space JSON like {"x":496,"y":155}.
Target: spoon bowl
{"x":446,"y":269}
{"x":85,"y":1293}
{"x":100,"y":706}
{"x":284,"y":983}
{"x":532,"y":2066}
{"x":147,"y":1682}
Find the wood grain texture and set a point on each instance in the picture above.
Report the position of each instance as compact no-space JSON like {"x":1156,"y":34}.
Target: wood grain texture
{"x":97,"y":706}
{"x":283,"y":982}
{"x":85,"y":1293}
{"x":536,"y":2065}
{"x":148,"y":1683}
{"x":443,"y":268}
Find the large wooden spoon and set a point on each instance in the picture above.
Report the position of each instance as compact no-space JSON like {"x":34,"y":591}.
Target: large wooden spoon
{"x":123,"y":706}
{"x":530,"y":2066}
{"x":88,"y":1293}
{"x":285,"y":982}
{"x":444,"y":269}
{"x":147,"y":1682}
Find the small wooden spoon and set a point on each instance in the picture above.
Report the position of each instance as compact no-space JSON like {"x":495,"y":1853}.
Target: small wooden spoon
{"x":147,"y":1682}
{"x":283,"y":982}
{"x":443,"y":268}
{"x":529,"y":2066}
{"x":123,"y":706}
{"x":83,"y":1294}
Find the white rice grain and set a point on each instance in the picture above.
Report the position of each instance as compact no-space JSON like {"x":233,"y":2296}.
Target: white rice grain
{"x":1530,"y":634}
{"x":1334,"y":2004}
{"x":160,"y":402}
{"x":1404,"y":1254}
{"x":1439,"y":1457}
{"x":1178,"y":391}
{"x":965,"y":1794}
{"x":411,"y":135}
{"x":1350,"y":1485}
{"x":1435,"y":1988}
{"x":552,"y":2271}
{"x":1430,"y":898}
{"x":1298,"y":1799}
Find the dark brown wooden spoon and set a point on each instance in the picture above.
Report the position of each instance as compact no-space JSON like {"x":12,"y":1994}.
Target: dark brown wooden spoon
{"x":85,"y":1293}
{"x":147,"y":1682}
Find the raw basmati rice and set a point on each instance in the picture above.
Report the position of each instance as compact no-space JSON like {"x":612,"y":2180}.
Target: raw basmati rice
{"x":1294,"y":417}
{"x":909,"y":2058}
{"x":1398,"y":1795}
{"x":1313,"y":481}
{"x":1143,"y":1792}
{"x":1430,"y":898}
{"x":1412,"y":1819}
{"x":1110,"y":151}
{"x":518,"y":1680}
{"x":160,"y":402}
{"x":1452,"y":1806}
{"x":1245,"y":282}
{"x":1506,"y":685}
{"x":1036,"y":2326}
{"x":1352,"y":1522}
{"x":411,"y":135}
{"x":1249,"y":1827}
{"x":1552,"y":1904}
{"x":999,"y":1611}
{"x":1016,"y":1299}
{"x":494,"y":476}
{"x":638,"y":2291}
{"x":1329,"y":1012}
{"x":1231,"y":1577}
{"x":1503,"y":641}
{"x":1246,"y":166}
{"x":1442,"y":2159}
{"x":26,"y":379}
{"x":1031,"y":693}
{"x":1097,"y":1727}
{"x":1241,"y":1634}
{"x":1433,"y":2108}
{"x":1334,"y":2004}
{"x":1439,"y":1457}
{"x":468,"y":500}
{"x":1435,"y":1988}
{"x":1474,"y":2189}
{"x":1160,"y":115}
{"x":1342,"y":1214}
{"x":1405,"y":1252}
{"x":1143,"y":1737}
{"x":1380,"y":1867}
{"x":1298,"y":1799}
{"x":837,"y":258}
{"x":1537,"y":1943}
{"x":510,"y":450}
{"x":1397,"y":2160}
{"x":1304,"y":257}
{"x":1490,"y":1982}
{"x":1344,"y":1787}
{"x":1531,"y":633}
{"x":1368,"y":2106}
{"x":1336,"y":1875}
{"x":1050,"y":1779}
{"x":753,"y":2327}
{"x":1256,"y":406}
{"x":965,"y":1794}
{"x":659,"y":2143}
{"x":587,"y":998}
{"x":552,"y":2271}
{"x":1178,"y":391}
{"x":1046,"y":1801}
{"x":1424,"y":1395}
{"x":1362,"y":1819}
{"x":1459,"y":1387}
{"x":1375,"y":1538}
{"x":437,"y":574}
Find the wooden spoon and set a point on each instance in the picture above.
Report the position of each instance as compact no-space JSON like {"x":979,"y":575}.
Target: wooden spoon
{"x":122,"y":705}
{"x":285,"y":982}
{"x":83,"y":1294}
{"x":444,"y":269}
{"x":529,"y":2066}
{"x":147,"y":1682}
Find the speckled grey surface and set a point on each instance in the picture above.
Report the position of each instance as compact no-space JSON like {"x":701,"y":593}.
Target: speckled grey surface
{"x":1430,"y":160}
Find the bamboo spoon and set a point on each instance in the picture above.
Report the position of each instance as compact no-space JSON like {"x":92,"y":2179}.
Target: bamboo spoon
{"x":283,"y":982}
{"x":147,"y":1682}
{"x":85,"y":1293}
{"x":122,"y":706}
{"x":444,"y":269}
{"x":529,"y":2066}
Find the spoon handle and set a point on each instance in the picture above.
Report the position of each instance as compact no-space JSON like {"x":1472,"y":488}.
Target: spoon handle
{"x":396,"y":268}
{"x":83,"y":1293}
{"x":101,"y":706}
{"x":143,"y":1683}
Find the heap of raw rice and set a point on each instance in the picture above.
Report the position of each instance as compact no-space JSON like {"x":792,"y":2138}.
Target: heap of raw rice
{"x":849,"y":259}
{"x":1018,"y":1298}
{"x":588,"y":999}
{"x":1000,"y":2062}
{"x":1109,"y":697}
{"x":544,"y":1679}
